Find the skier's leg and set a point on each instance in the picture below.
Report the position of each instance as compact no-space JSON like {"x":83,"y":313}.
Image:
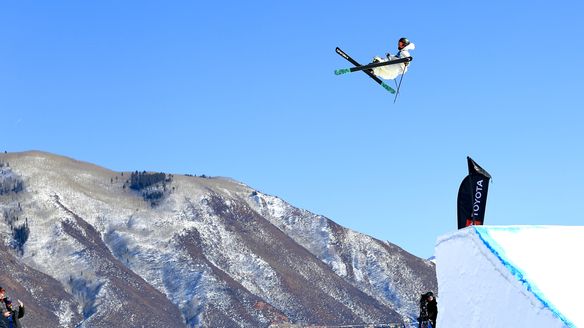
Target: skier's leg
{"x":376,"y":59}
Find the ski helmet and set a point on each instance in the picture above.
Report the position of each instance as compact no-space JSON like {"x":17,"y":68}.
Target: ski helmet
{"x":405,"y":41}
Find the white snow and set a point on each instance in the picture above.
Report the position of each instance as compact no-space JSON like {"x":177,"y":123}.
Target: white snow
{"x":510,"y":276}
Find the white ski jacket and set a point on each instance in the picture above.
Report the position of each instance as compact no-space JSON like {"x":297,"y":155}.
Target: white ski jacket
{"x":390,"y":72}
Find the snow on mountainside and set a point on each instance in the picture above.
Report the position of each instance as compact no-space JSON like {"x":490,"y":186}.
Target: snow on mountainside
{"x":152,"y":250}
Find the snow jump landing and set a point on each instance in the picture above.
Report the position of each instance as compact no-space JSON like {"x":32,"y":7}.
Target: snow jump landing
{"x":510,"y":276}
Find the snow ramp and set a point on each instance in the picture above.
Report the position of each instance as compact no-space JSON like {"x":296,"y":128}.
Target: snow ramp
{"x":511,"y":276}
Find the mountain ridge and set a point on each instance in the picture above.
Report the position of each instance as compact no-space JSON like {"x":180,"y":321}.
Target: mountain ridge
{"x":209,"y":252}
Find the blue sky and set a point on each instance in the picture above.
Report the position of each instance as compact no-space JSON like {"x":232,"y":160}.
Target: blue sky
{"x":247,"y":90}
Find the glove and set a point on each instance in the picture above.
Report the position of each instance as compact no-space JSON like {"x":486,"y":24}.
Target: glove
{"x":388,"y":55}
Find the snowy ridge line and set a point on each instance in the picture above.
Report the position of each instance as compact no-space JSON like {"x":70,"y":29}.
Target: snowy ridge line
{"x":443,"y":239}
{"x":488,"y":241}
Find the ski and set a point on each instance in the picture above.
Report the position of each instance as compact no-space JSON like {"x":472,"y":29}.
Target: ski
{"x":372,"y":65}
{"x":371,"y":75}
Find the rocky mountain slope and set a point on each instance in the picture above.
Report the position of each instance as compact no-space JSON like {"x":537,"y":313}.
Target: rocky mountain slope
{"x":85,"y":246}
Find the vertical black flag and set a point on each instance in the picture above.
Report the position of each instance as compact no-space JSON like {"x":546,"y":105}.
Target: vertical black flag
{"x":472,"y":196}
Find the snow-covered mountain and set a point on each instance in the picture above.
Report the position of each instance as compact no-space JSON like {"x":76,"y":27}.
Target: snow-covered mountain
{"x":85,"y":246}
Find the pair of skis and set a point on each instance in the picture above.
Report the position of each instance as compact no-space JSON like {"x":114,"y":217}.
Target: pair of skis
{"x":367,"y":70}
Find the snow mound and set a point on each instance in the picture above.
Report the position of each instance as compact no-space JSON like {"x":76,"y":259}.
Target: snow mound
{"x":510,"y":276}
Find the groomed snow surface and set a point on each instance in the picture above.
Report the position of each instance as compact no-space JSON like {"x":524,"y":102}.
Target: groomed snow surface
{"x":511,"y":276}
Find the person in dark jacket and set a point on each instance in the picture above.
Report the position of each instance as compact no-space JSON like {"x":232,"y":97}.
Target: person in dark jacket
{"x":428,"y":310}
{"x":4,"y":312}
{"x":432,"y":309}
{"x":15,"y":314}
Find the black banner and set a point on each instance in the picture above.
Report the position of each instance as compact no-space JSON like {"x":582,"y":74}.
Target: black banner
{"x":472,"y":196}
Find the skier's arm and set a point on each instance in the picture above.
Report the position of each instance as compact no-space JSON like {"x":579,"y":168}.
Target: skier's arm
{"x":404,"y":54}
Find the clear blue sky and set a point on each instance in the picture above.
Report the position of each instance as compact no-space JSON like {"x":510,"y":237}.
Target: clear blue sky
{"x":247,"y":90}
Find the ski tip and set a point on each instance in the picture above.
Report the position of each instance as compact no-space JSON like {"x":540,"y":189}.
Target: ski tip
{"x":342,"y":71}
{"x":388,"y":88}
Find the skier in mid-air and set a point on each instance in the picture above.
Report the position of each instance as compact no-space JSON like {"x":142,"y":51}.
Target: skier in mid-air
{"x":389,"y":68}
{"x":390,"y":72}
